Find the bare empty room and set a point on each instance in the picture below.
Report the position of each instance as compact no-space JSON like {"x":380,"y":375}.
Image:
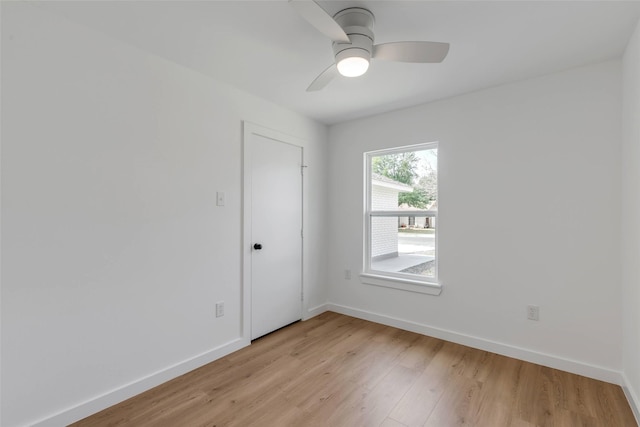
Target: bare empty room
{"x":331,"y":213}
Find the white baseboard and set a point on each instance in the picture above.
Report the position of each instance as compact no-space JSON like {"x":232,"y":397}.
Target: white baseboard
{"x":315,"y":311}
{"x":632,"y":397}
{"x":127,"y":391}
{"x":573,"y":366}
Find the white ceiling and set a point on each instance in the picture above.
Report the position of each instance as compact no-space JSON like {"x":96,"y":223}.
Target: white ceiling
{"x":265,"y":48}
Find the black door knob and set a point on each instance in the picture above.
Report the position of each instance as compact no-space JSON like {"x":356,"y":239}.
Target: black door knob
{"x":257,"y":246}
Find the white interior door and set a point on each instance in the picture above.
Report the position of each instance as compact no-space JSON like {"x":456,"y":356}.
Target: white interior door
{"x":276,"y":232}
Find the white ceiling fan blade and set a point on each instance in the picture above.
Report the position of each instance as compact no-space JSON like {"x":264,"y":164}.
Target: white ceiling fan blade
{"x":316,"y":16}
{"x":323,"y":79}
{"x":424,"y":52}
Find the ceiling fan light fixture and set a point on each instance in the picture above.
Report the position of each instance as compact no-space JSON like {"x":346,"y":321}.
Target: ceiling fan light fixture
{"x":353,"y":62}
{"x":353,"y":66}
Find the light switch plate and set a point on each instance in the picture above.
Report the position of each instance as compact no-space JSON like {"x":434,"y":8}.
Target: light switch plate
{"x":220,"y":198}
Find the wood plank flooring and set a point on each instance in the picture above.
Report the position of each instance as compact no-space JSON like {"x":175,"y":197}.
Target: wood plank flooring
{"x":335,"y":370}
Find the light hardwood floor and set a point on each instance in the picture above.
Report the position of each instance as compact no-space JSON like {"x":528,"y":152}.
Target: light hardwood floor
{"x":335,"y":370}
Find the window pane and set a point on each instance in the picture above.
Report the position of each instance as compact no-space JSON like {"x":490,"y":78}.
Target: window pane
{"x":398,"y":248}
{"x":407,"y":180}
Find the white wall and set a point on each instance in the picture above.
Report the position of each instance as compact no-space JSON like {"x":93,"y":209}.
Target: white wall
{"x":528,"y":201}
{"x":113,"y":250}
{"x":631,"y":218}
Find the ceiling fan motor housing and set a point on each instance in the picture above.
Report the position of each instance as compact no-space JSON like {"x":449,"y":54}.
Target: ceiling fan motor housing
{"x":358,"y":24}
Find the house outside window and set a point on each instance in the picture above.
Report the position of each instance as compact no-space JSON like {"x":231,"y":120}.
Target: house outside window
{"x":400,"y":218}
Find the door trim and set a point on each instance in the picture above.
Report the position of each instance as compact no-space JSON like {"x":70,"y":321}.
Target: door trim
{"x":249,"y":129}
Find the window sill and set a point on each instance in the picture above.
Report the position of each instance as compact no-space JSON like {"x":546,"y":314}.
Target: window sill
{"x":402,"y":284}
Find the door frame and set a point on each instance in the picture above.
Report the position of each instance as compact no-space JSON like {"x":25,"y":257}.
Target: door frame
{"x":249,"y":129}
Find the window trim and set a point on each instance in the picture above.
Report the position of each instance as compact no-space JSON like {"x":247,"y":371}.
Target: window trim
{"x":402,"y":281}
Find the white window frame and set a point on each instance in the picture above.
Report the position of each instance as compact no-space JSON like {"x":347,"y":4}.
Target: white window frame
{"x":402,"y":281}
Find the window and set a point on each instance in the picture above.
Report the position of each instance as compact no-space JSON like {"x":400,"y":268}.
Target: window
{"x":401,"y":210}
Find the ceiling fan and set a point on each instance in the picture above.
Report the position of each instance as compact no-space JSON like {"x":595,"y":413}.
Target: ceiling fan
{"x":351,"y":31}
